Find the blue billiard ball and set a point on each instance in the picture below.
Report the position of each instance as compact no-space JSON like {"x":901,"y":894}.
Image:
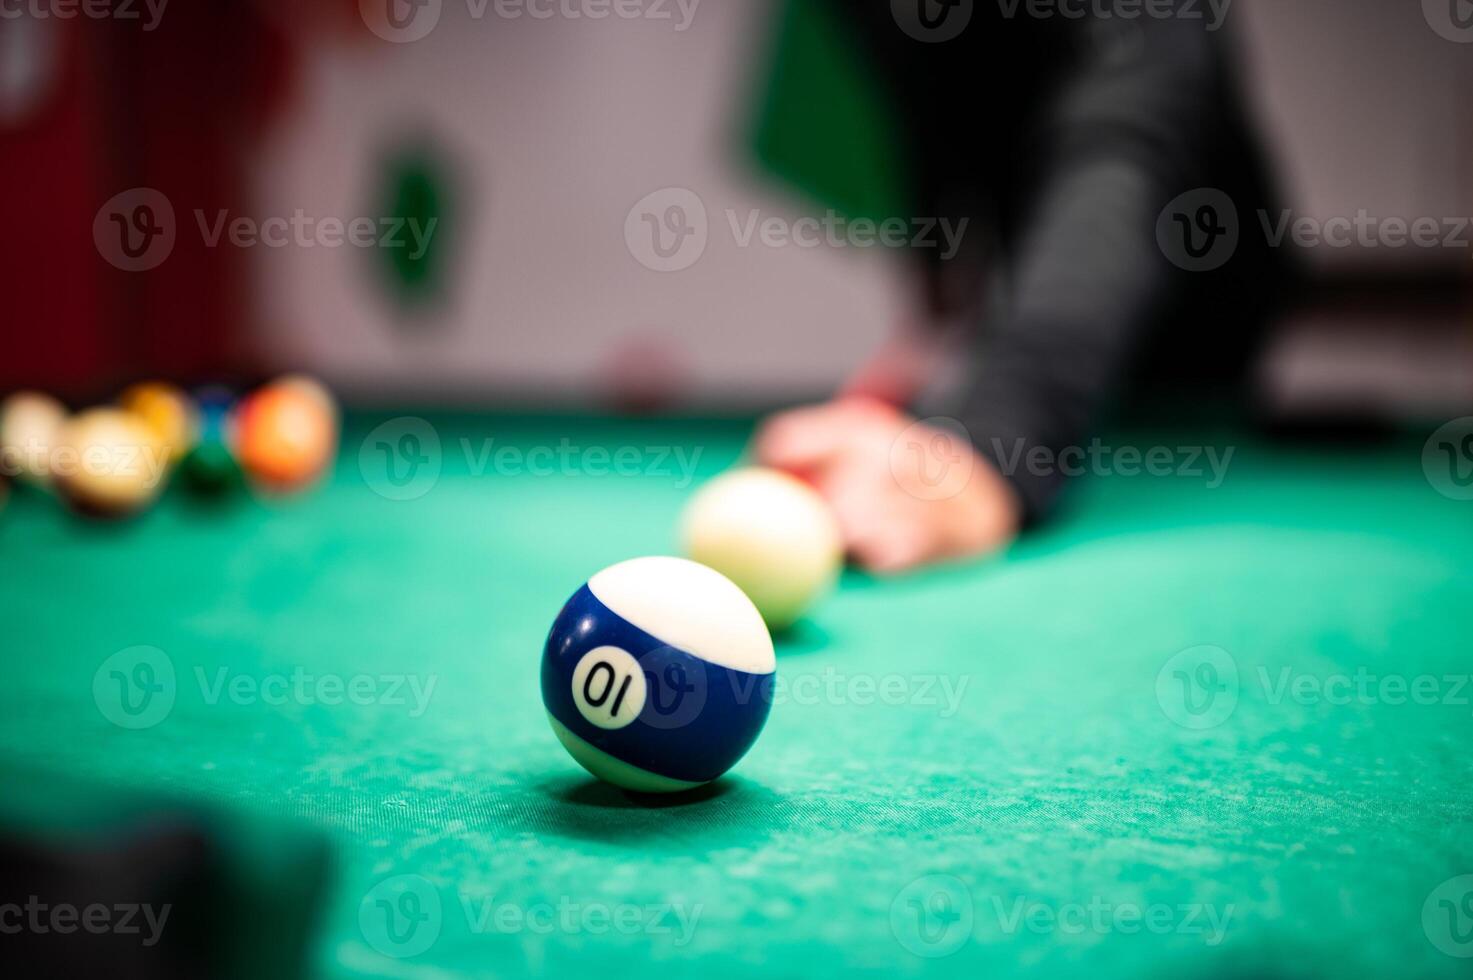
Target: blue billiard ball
{"x":657,"y":675}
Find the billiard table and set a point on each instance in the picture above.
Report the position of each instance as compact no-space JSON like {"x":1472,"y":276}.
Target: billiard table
{"x":1197,"y":726}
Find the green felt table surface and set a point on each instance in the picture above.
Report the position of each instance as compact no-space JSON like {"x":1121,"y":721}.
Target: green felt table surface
{"x":1000,"y":762}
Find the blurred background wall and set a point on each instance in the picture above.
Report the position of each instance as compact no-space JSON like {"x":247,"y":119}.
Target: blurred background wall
{"x":536,"y":144}
{"x":552,"y":132}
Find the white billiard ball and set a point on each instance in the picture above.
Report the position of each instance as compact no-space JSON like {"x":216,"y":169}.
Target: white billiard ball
{"x":771,"y":534}
{"x":29,"y":423}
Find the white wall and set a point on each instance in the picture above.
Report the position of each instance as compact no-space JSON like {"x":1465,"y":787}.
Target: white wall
{"x":563,"y":126}
{"x":1366,"y":106}
{"x":559,"y":126}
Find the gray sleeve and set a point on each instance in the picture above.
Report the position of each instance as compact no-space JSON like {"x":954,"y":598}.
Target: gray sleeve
{"x":1128,"y":127}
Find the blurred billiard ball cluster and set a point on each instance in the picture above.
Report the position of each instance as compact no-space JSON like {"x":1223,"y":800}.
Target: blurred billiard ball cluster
{"x":115,"y":460}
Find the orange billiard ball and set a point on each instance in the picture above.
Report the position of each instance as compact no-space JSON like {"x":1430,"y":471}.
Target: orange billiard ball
{"x":286,"y":436}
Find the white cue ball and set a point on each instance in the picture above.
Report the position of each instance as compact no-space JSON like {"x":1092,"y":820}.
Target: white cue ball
{"x":29,"y":423}
{"x":109,"y":462}
{"x":771,"y":534}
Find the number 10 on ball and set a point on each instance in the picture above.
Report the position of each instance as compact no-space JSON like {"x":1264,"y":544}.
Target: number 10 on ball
{"x":657,"y":675}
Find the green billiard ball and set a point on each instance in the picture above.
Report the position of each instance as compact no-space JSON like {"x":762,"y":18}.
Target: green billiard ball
{"x":211,"y":469}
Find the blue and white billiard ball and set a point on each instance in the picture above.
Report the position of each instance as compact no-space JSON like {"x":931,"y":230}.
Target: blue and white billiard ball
{"x":657,"y":675}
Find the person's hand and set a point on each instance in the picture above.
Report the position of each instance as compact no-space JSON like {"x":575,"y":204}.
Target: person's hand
{"x":905,"y":494}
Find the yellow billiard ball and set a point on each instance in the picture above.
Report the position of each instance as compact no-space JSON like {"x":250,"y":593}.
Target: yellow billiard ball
{"x":168,"y":412}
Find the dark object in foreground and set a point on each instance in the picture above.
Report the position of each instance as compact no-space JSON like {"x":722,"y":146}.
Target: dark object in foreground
{"x":160,"y":893}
